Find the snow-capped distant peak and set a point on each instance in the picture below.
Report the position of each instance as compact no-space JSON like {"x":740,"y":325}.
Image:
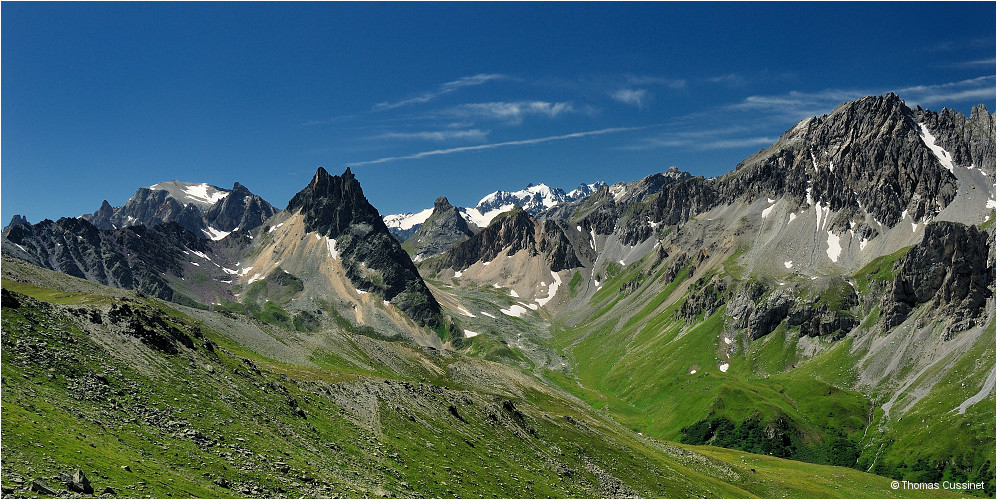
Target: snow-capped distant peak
{"x":585,"y":190}
{"x":407,"y":221}
{"x":201,"y":194}
{"x":535,"y":198}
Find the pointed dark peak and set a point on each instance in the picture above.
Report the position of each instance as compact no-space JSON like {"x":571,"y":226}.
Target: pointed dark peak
{"x":332,"y":203}
{"x":239,"y":188}
{"x":441,"y":204}
{"x":17,"y":220}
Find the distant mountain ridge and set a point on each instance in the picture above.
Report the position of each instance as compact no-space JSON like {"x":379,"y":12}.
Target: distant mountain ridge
{"x":535,"y":199}
{"x":208,"y":211}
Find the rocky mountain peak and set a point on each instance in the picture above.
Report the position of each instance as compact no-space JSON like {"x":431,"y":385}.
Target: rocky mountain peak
{"x":241,"y":209}
{"x":332,"y":203}
{"x":441,"y":204}
{"x":334,"y":206}
{"x":442,"y":230}
{"x":17,"y":220}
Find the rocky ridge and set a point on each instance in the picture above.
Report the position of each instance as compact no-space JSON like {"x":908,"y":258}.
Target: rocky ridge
{"x":209,"y":212}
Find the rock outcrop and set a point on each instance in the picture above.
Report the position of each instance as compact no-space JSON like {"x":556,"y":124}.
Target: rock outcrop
{"x":950,"y":268}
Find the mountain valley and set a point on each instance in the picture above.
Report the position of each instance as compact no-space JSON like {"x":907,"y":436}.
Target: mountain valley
{"x":816,"y":322}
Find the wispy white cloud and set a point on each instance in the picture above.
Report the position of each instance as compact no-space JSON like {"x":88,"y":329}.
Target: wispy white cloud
{"x":797,"y":105}
{"x":703,"y":139}
{"x":437,"y":135}
{"x":633,"y":97}
{"x":644,"y":80}
{"x":979,"y":63}
{"x":496,"y":145}
{"x":512,"y":112}
{"x":445,"y":88}
{"x":973,"y":89}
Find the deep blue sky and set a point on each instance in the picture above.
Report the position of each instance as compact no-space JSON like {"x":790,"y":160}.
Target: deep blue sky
{"x":99,"y":99}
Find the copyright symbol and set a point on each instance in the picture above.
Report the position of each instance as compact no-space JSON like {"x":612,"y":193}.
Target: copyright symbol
{"x":895,"y":484}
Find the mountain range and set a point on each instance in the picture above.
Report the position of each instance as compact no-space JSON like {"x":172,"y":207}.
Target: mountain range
{"x":535,"y":199}
{"x":818,"y":321}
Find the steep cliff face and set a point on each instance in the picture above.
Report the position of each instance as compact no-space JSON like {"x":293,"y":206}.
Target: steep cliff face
{"x":135,"y":257}
{"x":510,"y":233}
{"x":950,"y":269}
{"x":867,"y":156}
{"x":336,"y":208}
{"x":441,"y":231}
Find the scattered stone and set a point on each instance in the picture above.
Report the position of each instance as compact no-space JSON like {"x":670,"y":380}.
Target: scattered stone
{"x":39,"y":486}
{"x":109,"y":491}
{"x":222,"y":482}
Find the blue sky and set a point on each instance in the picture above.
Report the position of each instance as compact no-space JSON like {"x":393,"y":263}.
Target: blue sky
{"x":452,"y":99}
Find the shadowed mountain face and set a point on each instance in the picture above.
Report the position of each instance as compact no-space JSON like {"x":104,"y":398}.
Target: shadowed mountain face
{"x":512,"y":232}
{"x":335,"y":207}
{"x":134,"y":257}
{"x":441,"y":231}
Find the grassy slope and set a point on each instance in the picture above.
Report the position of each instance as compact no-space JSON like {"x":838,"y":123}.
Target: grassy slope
{"x":417,"y":425}
{"x":638,"y":366}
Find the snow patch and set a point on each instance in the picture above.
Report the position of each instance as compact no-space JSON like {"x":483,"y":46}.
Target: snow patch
{"x":200,"y":254}
{"x":468,"y":334}
{"x":833,"y":246}
{"x":216,"y":234}
{"x":552,"y":290}
{"x":361,"y":292}
{"x":791,"y":217}
{"x":514,"y":310}
{"x":458,"y":274}
{"x":692,"y":372}
{"x":463,"y":311}
{"x":332,"y":247}
{"x":724,"y":367}
{"x":256,"y":277}
{"x":727,"y":341}
{"x":274,"y":228}
{"x":512,"y":293}
{"x":767,"y":211}
{"x":483,"y":313}
{"x":991,"y":203}
{"x":788,"y":264}
{"x":943,"y":156}
{"x":204,"y":193}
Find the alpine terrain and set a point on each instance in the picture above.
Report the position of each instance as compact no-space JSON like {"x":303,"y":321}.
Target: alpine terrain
{"x":817,"y":322}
